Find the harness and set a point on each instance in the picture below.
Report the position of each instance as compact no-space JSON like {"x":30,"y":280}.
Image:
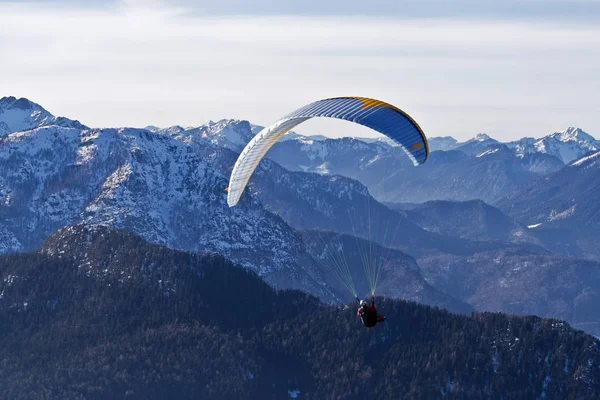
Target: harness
{"x":369,"y":319}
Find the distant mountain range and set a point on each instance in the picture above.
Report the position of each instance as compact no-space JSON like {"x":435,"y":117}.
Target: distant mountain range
{"x":481,"y":168}
{"x":567,"y":145}
{"x":455,"y":251}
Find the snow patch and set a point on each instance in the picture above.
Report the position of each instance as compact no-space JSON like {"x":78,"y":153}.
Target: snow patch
{"x":488,"y":152}
{"x":554,"y":215}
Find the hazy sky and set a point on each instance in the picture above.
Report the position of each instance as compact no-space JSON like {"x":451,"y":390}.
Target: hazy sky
{"x":509,"y":68}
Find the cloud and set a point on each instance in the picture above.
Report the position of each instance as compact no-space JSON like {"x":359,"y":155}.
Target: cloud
{"x":139,"y":63}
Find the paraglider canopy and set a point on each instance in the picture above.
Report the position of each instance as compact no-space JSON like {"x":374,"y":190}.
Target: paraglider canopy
{"x":375,"y":114}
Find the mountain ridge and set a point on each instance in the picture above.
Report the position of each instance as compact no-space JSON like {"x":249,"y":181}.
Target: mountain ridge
{"x":166,"y":323}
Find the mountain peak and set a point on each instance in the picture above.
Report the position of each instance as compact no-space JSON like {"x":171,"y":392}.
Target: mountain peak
{"x":573,"y":134}
{"x":7,"y":100}
{"x":11,"y":102}
{"x":482,"y":137}
{"x":23,"y":114}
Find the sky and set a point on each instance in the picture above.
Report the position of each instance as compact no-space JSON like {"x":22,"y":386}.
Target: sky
{"x":510,"y":68}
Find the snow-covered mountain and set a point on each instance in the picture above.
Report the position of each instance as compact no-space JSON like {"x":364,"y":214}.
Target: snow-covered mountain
{"x":229,"y":133}
{"x":567,"y":146}
{"x":167,"y":185}
{"x":489,"y":174}
{"x":443,"y":143}
{"x":479,"y":144}
{"x":342,"y":156}
{"x":169,"y":189}
{"x":480,"y":168}
{"x":22,"y":114}
{"x":148,"y":183}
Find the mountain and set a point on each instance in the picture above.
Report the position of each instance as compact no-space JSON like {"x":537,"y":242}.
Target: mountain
{"x":476,"y":220}
{"x":566,"y":200}
{"x":343,"y":156}
{"x":444,"y":143}
{"x":139,"y":321}
{"x":481,"y":168}
{"x":518,"y":281}
{"x":228,"y":133}
{"x":22,"y":114}
{"x":168,"y":190}
{"x":472,"y":219}
{"x":148,"y":183}
{"x":488,"y":271}
{"x":567,"y":146}
{"x":489,"y":175}
{"x":309,"y":201}
{"x":168,"y":187}
{"x":453,"y":175}
{"x":479,"y":144}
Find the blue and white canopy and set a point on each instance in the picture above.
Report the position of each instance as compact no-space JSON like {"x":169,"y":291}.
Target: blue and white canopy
{"x":375,"y":114}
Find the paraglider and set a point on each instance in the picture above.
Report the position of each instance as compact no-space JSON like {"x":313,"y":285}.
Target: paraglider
{"x":375,"y":114}
{"x":368,"y":315}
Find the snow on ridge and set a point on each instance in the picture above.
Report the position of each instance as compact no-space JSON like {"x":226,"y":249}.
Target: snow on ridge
{"x":585,"y":159}
{"x":482,"y":137}
{"x":567,"y":146}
